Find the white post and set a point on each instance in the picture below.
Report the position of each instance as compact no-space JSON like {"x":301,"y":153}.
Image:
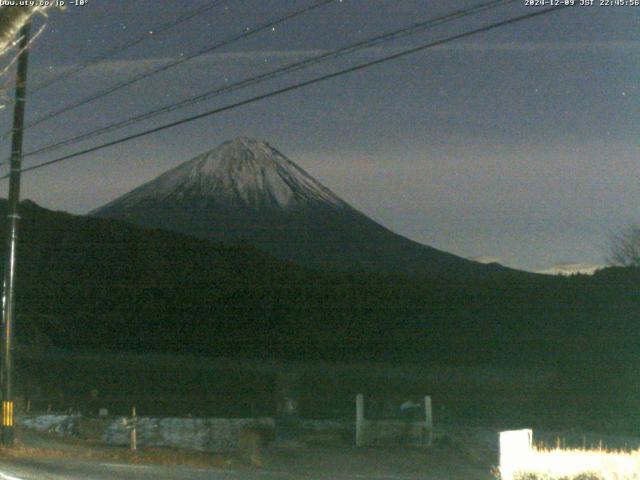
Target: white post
{"x":134,"y":433}
{"x":428,"y":417}
{"x":359,"y":419}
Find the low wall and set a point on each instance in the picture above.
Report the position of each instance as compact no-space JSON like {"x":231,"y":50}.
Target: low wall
{"x":60,"y":424}
{"x":204,"y":434}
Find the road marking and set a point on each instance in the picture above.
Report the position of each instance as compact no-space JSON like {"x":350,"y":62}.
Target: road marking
{"x":380,"y":477}
{"x":8,"y":477}
{"x":122,"y":465}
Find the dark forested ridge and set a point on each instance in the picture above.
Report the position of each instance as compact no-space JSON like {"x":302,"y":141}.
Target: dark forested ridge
{"x":103,"y":284}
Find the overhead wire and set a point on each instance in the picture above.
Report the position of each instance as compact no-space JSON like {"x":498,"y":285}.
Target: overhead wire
{"x":112,"y":52}
{"x":247,"y":33}
{"x":299,"y":85}
{"x":295,"y":66}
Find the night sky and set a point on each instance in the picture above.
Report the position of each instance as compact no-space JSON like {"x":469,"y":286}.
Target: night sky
{"x":519,"y":144}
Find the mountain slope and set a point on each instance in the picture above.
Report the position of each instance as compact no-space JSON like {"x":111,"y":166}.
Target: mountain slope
{"x":103,"y":284}
{"x":96,"y":284}
{"x":247,"y":191}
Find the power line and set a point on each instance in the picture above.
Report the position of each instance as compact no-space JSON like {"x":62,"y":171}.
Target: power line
{"x":394,"y":35}
{"x":297,"y":86}
{"x":121,"y":48}
{"x":247,"y":33}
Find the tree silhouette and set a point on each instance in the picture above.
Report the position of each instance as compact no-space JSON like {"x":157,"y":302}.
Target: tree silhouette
{"x":624,"y":249}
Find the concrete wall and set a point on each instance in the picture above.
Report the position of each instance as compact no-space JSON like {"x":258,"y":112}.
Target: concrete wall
{"x":217,"y":434}
{"x":205,"y":434}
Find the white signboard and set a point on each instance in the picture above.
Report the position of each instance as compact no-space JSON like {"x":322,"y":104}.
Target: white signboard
{"x":515,"y":448}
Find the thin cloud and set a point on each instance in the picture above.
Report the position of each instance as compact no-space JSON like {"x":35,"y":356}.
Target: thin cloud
{"x":255,"y":55}
{"x":546,"y":46}
{"x":571,"y":269}
{"x":486,"y":259}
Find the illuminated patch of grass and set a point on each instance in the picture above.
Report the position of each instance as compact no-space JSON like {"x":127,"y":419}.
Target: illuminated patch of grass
{"x":559,"y":464}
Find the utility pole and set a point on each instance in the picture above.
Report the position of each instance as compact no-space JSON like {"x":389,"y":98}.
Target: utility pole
{"x":11,"y":239}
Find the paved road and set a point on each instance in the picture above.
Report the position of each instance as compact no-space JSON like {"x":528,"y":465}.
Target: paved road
{"x":61,"y":469}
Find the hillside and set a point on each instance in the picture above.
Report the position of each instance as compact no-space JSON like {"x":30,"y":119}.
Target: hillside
{"x":95,"y":283}
{"x":104,"y":285}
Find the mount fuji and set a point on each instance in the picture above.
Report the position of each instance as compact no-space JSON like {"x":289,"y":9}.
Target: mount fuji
{"x":247,"y":191}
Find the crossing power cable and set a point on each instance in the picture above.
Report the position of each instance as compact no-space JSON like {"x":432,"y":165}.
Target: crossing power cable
{"x":299,"y":85}
{"x":151,"y":33}
{"x":377,"y":40}
{"x":247,"y":33}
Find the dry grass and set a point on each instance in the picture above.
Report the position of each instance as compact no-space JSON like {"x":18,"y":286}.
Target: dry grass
{"x":151,"y":456}
{"x":36,"y":444}
{"x":559,"y":464}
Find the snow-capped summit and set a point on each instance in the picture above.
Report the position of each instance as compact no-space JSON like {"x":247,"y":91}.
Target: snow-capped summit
{"x":239,"y":173}
{"x":247,"y":191}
